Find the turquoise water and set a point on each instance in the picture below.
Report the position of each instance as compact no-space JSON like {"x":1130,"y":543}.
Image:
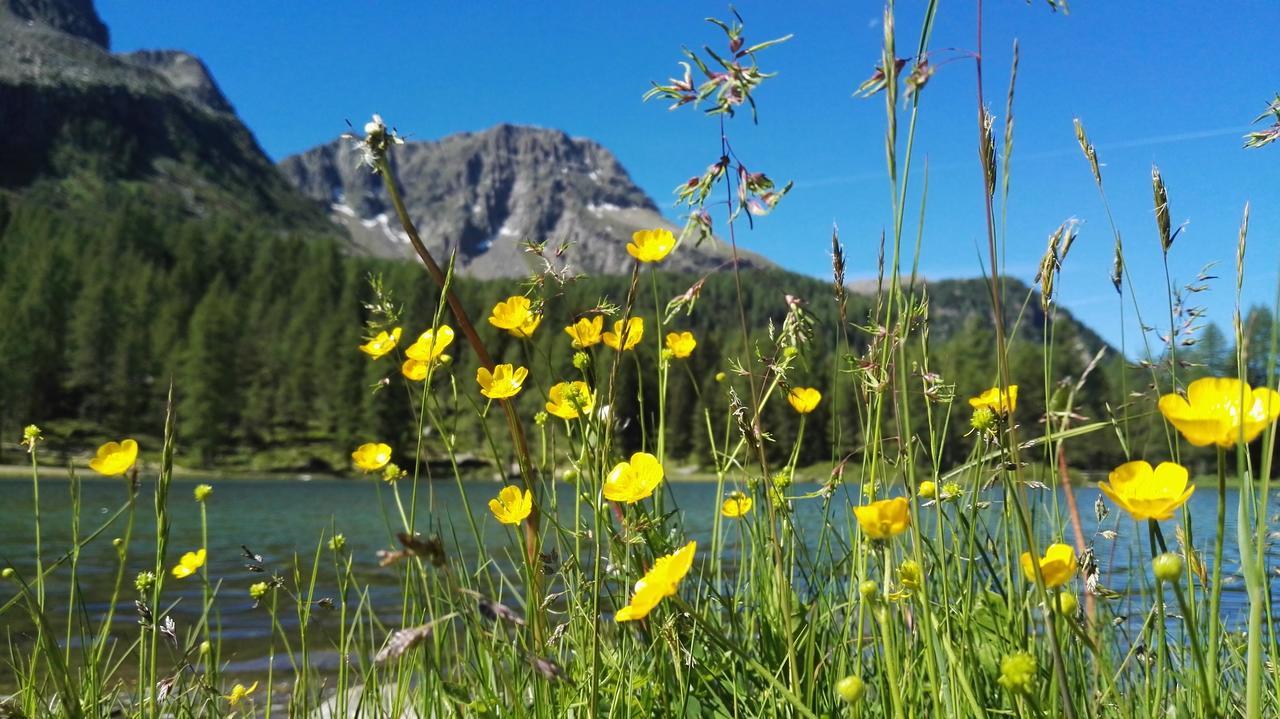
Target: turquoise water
{"x":281,"y":518}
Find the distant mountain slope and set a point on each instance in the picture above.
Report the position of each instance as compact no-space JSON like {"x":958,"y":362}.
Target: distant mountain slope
{"x":484,"y":193}
{"x":79,"y":122}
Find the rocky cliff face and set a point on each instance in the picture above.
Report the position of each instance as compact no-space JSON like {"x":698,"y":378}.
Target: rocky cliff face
{"x":485,"y":194}
{"x":72,"y":114}
{"x":72,"y":17}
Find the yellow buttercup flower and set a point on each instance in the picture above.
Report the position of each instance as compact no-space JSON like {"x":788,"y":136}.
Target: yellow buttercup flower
{"x":371,"y":456}
{"x":659,"y":582}
{"x":430,"y":344}
{"x":381,"y":344}
{"x":516,"y":315}
{"x":416,"y":370}
{"x":736,"y":505}
{"x":570,"y":400}
{"x":1147,"y":493}
{"x":804,"y":399}
{"x":512,"y":505}
{"x":883,"y":519}
{"x":1057,"y":565}
{"x":189,"y":563}
{"x":1221,"y":411}
{"x":1001,"y":403}
{"x":239,"y":692}
{"x":586,"y":331}
{"x":505,"y":381}
{"x":651,"y":245}
{"x":681,"y":344}
{"x":622,"y":340}
{"x":115,"y":458}
{"x":634,"y":480}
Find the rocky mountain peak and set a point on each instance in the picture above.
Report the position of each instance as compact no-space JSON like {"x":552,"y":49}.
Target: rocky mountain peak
{"x":485,"y":193}
{"x":73,"y":17}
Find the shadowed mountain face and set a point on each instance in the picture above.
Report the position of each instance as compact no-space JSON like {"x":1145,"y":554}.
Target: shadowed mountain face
{"x":485,"y":194}
{"x":79,"y":121}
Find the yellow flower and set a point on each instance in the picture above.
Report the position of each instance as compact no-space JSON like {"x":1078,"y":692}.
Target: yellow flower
{"x":634,"y":331}
{"x":239,"y":692}
{"x":651,"y":245}
{"x":371,"y":456}
{"x":736,"y":505}
{"x":586,"y":331}
{"x":1213,"y":411}
{"x":415,"y":370}
{"x":505,"y":381}
{"x":1058,"y":565}
{"x":570,"y":400}
{"x":190,"y":562}
{"x":1001,"y":403}
{"x":430,"y":344}
{"x":927,"y":489}
{"x":515,"y":315}
{"x":381,"y":344}
{"x":804,"y":399}
{"x":202,"y":492}
{"x":660,"y":581}
{"x":1146,"y":493}
{"x":681,"y":344}
{"x":115,"y":458}
{"x":633,"y":481}
{"x":512,"y":505}
{"x":883,"y":519}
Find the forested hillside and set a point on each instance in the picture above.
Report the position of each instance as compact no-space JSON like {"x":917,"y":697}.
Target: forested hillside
{"x":259,"y":332}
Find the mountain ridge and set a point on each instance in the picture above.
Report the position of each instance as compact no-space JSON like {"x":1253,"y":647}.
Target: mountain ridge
{"x":485,"y":194}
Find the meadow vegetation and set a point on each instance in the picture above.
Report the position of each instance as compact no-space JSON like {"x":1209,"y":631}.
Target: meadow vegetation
{"x":949,"y":573}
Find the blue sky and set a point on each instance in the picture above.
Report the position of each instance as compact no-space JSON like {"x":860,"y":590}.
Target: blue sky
{"x":1175,"y":83}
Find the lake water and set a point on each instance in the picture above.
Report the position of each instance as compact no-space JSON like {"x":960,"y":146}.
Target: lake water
{"x":280,"y":517}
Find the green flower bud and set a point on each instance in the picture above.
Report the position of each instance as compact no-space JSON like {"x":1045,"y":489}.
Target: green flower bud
{"x":851,"y":689}
{"x":869,"y":590}
{"x":202,"y":492}
{"x":1066,"y":604}
{"x":1167,"y":567}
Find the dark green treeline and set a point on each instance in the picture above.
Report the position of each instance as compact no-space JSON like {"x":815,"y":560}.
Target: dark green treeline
{"x":259,"y":330}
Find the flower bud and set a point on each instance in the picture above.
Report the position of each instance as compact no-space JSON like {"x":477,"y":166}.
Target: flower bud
{"x":927,"y":489}
{"x":205,"y":647}
{"x":910,"y":574}
{"x":7,"y":573}
{"x":851,"y":689}
{"x":1066,"y":604}
{"x":869,"y":590}
{"x":1167,"y":567}
{"x":202,"y":492}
